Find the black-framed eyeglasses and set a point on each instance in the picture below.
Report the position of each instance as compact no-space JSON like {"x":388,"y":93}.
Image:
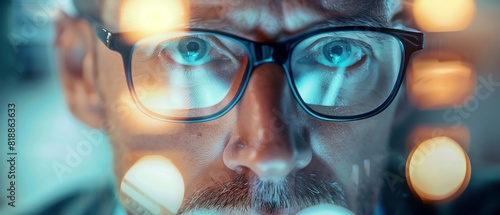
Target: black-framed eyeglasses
{"x":197,"y":75}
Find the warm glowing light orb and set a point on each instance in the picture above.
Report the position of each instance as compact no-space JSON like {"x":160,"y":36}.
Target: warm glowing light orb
{"x":153,"y":184}
{"x":436,"y":82}
{"x":146,"y":17}
{"x":438,"y":169}
{"x":443,"y":15}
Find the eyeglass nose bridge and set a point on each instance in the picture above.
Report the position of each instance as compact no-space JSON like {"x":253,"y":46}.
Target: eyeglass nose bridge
{"x":270,"y":53}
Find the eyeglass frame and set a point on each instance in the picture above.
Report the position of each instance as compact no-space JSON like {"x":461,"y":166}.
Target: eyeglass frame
{"x":410,"y":42}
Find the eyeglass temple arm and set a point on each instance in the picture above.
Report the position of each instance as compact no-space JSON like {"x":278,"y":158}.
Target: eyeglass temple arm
{"x":103,"y":34}
{"x":413,"y":40}
{"x":105,"y":37}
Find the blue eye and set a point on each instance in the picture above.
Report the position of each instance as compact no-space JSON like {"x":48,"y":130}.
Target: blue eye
{"x":192,"y":49}
{"x":340,"y":53}
{"x":337,"y":51}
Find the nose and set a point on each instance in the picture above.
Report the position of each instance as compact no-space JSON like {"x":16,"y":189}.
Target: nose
{"x":264,"y":143}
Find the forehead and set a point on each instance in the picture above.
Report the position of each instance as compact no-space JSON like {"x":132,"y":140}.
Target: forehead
{"x":269,"y":15}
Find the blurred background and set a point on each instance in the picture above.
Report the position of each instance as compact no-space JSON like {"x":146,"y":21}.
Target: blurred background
{"x":446,"y":148}
{"x":49,"y":163}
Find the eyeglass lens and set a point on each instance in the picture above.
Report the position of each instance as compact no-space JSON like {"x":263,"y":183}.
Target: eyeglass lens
{"x":194,"y":74}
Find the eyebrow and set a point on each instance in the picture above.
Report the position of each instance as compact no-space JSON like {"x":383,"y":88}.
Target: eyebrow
{"x":370,"y":13}
{"x":210,"y":14}
{"x":224,"y":24}
{"x":228,"y":26}
{"x":354,"y":12}
{"x":358,"y":20}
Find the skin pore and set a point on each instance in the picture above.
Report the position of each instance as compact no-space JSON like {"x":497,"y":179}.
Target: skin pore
{"x":267,"y":155}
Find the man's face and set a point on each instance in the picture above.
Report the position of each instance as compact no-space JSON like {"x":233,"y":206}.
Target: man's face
{"x":266,"y":155}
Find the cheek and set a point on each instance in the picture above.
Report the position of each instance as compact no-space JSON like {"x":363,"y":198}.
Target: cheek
{"x":192,"y":148}
{"x":352,"y":141}
{"x":122,"y":114}
{"x":355,"y":151}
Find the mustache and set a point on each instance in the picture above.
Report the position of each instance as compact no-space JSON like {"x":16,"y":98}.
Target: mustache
{"x":242,"y":192}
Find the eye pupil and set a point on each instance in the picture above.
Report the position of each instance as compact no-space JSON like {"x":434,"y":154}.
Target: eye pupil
{"x":336,"y":52}
{"x":192,"y":46}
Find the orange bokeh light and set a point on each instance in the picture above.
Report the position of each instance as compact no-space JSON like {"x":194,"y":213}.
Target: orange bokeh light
{"x":146,"y":17}
{"x":153,"y":184}
{"x":440,"y":80}
{"x":438,"y":170}
{"x":443,"y":15}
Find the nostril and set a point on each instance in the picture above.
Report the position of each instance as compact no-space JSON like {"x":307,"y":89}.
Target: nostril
{"x":242,"y":170}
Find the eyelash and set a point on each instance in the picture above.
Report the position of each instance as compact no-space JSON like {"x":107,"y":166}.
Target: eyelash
{"x":214,"y":43}
{"x":314,"y":47}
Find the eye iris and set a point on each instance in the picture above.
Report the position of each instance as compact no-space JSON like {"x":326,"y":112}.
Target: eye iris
{"x":335,"y":52}
{"x":192,"y":49}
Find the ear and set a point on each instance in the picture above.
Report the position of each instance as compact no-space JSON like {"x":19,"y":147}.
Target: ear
{"x":76,"y":49}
